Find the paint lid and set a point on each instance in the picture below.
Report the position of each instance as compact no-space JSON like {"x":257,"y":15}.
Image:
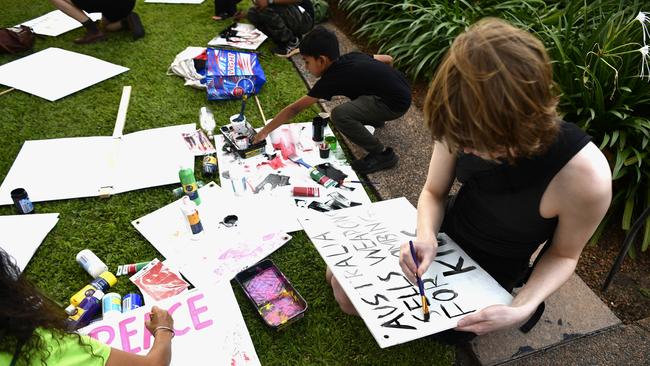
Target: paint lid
{"x":71,"y":310}
{"x":109,"y":277}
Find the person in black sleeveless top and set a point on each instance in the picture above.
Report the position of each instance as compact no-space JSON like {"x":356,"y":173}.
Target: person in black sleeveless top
{"x":527,"y":177}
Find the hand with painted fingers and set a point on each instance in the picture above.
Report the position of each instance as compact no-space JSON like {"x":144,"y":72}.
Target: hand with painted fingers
{"x":493,"y":318}
{"x":425,"y":251}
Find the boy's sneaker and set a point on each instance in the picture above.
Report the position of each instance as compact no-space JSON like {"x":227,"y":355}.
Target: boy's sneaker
{"x":135,"y":25}
{"x":375,"y":162}
{"x":287,"y":50}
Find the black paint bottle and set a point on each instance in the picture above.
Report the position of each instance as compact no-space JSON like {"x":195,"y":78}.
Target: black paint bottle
{"x":21,"y":201}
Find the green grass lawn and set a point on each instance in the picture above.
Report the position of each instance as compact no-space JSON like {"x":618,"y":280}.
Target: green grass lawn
{"x":325,"y":335}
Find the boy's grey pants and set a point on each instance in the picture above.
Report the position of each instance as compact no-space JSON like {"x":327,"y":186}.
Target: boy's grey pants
{"x":350,"y":117}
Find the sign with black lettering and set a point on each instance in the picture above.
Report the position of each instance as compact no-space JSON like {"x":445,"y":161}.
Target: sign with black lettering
{"x":361,"y":245}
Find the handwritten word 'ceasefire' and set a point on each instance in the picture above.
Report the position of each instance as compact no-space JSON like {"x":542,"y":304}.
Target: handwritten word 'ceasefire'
{"x":129,"y":330}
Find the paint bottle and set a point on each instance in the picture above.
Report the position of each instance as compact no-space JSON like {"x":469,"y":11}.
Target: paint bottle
{"x":178,"y":192}
{"x":87,"y":309}
{"x":209,"y":166}
{"x":21,"y":201}
{"x":188,"y":181}
{"x":321,"y":178}
{"x":91,"y":263}
{"x":111,"y":305}
{"x":318,"y":128}
{"x":131,"y":301}
{"x":192,"y":217}
{"x":206,"y":117}
{"x":102,"y":283}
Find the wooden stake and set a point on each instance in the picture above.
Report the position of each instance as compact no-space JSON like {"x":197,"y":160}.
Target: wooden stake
{"x":259,"y":106}
{"x":7,"y":91}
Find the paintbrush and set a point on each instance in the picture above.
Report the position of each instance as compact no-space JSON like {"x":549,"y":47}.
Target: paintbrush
{"x":298,"y":160}
{"x":243,"y":107}
{"x":361,"y":182}
{"x":425,"y":306}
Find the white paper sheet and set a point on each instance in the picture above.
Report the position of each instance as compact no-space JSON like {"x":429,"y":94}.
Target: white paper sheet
{"x":248,"y":38}
{"x":208,"y":325}
{"x":21,"y":235}
{"x":56,"y":23}
{"x":361,"y":245}
{"x":54,"y":73}
{"x":255,"y":170}
{"x":220,"y":252}
{"x":175,"y":1}
{"x":80,"y":166}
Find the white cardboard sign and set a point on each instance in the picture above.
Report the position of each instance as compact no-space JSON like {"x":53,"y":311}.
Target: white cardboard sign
{"x":220,"y":252}
{"x":54,"y":73}
{"x":208,"y":324}
{"x":88,"y":166}
{"x":21,"y":235}
{"x":361,"y":245}
{"x":56,"y":23}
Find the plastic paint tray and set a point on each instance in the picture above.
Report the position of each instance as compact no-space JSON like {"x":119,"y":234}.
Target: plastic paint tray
{"x":252,"y":150}
{"x":271,"y":293}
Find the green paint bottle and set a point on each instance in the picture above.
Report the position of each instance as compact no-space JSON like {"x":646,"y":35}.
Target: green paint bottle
{"x":188,"y":181}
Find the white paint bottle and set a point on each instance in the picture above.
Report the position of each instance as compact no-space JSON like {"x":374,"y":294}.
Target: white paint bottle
{"x":91,"y":263}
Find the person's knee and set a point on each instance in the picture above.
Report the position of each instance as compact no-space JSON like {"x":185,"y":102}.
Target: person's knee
{"x":341,"y":298}
{"x":339,"y":116}
{"x":328,"y":275}
{"x":253,"y":15}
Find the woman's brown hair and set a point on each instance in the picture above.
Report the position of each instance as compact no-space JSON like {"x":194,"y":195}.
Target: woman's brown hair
{"x":492,"y":93}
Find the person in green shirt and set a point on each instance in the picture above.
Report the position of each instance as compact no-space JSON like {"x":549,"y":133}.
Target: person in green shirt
{"x":33,"y":330}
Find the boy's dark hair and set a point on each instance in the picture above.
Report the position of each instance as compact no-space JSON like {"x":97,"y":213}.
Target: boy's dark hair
{"x":320,"y":42}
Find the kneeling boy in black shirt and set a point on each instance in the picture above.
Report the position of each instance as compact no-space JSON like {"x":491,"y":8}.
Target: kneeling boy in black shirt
{"x":378,"y":94}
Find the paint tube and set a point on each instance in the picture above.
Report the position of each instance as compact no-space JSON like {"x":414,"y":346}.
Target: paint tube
{"x":306,"y":191}
{"x":130,"y":269}
{"x":321,"y":178}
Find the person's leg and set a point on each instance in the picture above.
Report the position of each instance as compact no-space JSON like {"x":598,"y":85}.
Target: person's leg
{"x":298,"y":22}
{"x":71,"y":10}
{"x":350,"y":118}
{"x":75,"y":9}
{"x":119,"y":14}
{"x":270,"y":21}
{"x":339,"y":295}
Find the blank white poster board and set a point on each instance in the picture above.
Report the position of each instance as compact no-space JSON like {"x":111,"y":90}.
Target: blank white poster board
{"x":88,"y":166}
{"x":54,"y":73}
{"x":256,"y":169}
{"x":21,"y":235}
{"x":56,"y":23}
{"x":220,"y":252}
{"x":361,"y":245}
{"x":208,"y":324}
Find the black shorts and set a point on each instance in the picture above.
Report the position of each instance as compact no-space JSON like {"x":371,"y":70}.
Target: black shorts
{"x":113,"y":10}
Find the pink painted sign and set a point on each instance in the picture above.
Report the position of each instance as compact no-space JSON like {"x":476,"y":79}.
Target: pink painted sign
{"x":208,"y":326}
